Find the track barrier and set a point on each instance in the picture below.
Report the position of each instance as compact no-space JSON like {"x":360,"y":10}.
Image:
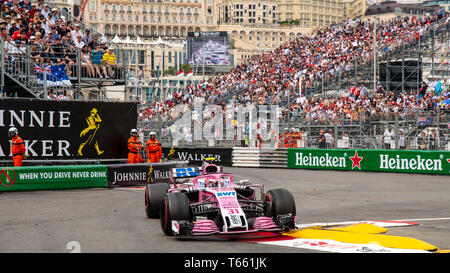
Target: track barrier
{"x":114,"y":175}
{"x":84,"y":176}
{"x":53,"y":177}
{"x":400,"y":161}
{"x":196,"y":156}
{"x":120,"y":175}
{"x":255,"y":157}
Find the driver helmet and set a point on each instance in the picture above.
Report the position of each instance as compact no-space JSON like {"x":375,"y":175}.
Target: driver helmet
{"x":212,"y":183}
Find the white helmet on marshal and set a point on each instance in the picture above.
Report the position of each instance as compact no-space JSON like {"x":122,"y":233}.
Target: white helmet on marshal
{"x":152,"y":134}
{"x":133,"y":131}
{"x":13,"y":131}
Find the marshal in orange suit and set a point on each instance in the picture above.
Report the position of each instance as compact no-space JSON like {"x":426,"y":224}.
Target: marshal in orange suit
{"x":17,"y":147}
{"x":153,"y":149}
{"x":134,"y":146}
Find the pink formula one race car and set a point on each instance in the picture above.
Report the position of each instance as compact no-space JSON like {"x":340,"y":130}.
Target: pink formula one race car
{"x":205,"y":201}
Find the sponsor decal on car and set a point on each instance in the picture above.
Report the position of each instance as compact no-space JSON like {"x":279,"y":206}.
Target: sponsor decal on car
{"x":226,"y":194}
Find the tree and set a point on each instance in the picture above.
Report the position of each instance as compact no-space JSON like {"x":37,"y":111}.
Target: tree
{"x":186,"y":67}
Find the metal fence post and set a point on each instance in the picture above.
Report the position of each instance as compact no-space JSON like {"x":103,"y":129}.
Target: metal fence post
{"x":396,"y":131}
{"x":79,"y":70}
{"x":45,"y":84}
{"x":438,"y":126}
{"x":2,"y":71}
{"x":28,"y":65}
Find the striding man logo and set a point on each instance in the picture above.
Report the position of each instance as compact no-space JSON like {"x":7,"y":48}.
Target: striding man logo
{"x":149,"y":174}
{"x":89,"y":134}
{"x":171,"y":153}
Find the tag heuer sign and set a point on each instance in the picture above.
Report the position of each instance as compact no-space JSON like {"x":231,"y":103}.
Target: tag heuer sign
{"x":201,"y":34}
{"x":431,"y":162}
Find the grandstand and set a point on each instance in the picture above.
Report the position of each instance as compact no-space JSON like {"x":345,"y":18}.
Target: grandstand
{"x":333,"y":63}
{"x":34,"y":43}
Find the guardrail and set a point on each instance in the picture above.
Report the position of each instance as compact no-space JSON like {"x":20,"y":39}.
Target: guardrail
{"x":254,"y":157}
{"x":53,"y":177}
{"x":401,"y":161}
{"x":50,"y":162}
{"x":87,"y":176}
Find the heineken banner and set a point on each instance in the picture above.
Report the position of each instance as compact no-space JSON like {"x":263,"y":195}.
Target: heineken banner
{"x":68,"y":129}
{"x":431,"y":162}
{"x":196,"y":156}
{"x":52,"y":177}
{"x":141,"y":174}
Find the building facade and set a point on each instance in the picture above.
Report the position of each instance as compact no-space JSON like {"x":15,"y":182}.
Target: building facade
{"x":443,"y":3}
{"x":399,"y":9}
{"x":248,"y":12}
{"x":354,"y":8}
{"x":312,"y":13}
{"x":150,"y":18}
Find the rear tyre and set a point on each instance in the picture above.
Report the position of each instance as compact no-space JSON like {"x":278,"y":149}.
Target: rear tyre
{"x":154,"y":194}
{"x":174,"y":206}
{"x":279,"y":202}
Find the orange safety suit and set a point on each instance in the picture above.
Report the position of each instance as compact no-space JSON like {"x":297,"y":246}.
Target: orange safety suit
{"x":133,"y":150}
{"x":153,"y":150}
{"x":292,"y":141}
{"x":17,"y":150}
{"x":287,"y":136}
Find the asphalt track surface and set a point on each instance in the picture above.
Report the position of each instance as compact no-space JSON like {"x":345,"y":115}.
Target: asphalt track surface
{"x":114,"y":221}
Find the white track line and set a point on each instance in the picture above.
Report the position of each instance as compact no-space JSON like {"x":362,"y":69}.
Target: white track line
{"x":425,"y":219}
{"x":365,"y":221}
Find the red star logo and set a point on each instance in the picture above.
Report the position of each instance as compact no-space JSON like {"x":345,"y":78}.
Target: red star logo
{"x":448,"y":160}
{"x":356,"y":161}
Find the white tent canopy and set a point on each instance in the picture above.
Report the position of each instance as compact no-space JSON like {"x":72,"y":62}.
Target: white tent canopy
{"x":127,"y":41}
{"x":160,"y":41}
{"x":104,"y":39}
{"x":116,"y":40}
{"x":139,"y":41}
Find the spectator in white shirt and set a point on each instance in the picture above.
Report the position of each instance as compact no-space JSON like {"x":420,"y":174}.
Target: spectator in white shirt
{"x":329,"y":139}
{"x":75,"y":32}
{"x":45,"y":11}
{"x":387,"y":138}
{"x":401,"y":140}
{"x":345,"y":141}
{"x":78,"y":43}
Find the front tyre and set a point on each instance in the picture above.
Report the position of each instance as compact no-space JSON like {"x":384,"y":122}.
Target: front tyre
{"x":154,"y":193}
{"x":279,"y":202}
{"x":174,"y":206}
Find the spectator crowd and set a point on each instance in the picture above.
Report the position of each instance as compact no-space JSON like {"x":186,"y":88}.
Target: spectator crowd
{"x":52,"y":39}
{"x":273,"y":77}
{"x":360,"y":107}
